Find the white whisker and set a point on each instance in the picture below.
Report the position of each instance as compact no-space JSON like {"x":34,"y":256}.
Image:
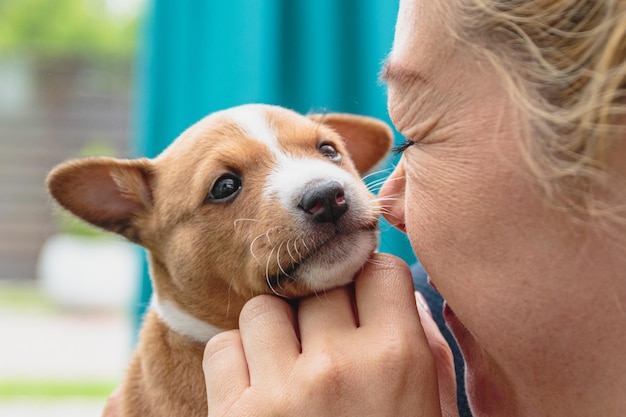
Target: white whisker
{"x":375,"y":186}
{"x":383,"y":201}
{"x":279,"y":265}
{"x":244,"y":220}
{"x":293,"y":260}
{"x":252,"y":245}
{"x":295,"y":246}
{"x":392,"y":179}
{"x":271,"y":229}
{"x":266,"y":235}
{"x":379,"y":172}
{"x":378,"y":181}
{"x":267,"y":273}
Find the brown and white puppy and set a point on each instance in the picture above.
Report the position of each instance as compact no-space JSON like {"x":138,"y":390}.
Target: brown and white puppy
{"x":250,"y":200}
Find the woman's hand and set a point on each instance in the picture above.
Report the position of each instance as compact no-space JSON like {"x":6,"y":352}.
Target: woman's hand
{"x":112,"y":407}
{"x":345,"y":353}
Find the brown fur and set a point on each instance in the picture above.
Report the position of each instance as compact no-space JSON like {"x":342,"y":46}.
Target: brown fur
{"x":204,"y":257}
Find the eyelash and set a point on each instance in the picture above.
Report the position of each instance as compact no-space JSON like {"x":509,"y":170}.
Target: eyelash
{"x":402,"y":147}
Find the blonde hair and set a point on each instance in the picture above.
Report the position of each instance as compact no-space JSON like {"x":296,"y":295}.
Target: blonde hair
{"x":564,"y":62}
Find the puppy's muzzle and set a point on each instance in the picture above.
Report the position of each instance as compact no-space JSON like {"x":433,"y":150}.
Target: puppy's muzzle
{"x":326,"y":202}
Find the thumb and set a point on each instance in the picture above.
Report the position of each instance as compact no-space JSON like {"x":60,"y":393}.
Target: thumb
{"x":444,"y":360}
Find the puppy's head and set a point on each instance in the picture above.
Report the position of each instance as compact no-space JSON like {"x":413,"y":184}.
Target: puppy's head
{"x":254,"y":199}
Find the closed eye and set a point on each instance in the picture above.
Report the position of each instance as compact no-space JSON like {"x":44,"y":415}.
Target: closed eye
{"x":420,"y":133}
{"x":402,"y":147}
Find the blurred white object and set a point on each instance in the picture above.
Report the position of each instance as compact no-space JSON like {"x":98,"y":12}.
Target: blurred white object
{"x":89,"y":273}
{"x":16,"y":84}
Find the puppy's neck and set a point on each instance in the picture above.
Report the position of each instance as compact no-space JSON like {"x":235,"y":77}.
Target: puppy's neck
{"x":182,"y":322}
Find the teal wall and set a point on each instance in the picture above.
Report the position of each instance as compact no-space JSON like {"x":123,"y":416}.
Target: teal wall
{"x":198,"y":56}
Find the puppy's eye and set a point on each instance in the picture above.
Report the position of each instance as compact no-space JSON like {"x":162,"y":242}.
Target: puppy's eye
{"x":225,"y":188}
{"x":329,"y":152}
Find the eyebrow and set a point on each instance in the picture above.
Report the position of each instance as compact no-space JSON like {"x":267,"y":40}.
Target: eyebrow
{"x":402,"y":75}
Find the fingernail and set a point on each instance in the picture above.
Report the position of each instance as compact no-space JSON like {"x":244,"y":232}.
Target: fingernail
{"x":422,"y":302}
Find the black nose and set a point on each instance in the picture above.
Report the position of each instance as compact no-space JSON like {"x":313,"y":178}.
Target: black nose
{"x":326,"y":202}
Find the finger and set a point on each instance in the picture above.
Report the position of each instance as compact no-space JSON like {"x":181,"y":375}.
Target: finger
{"x":269,"y":336}
{"x":113,"y":406}
{"x":384,"y":293}
{"x":442,"y":355}
{"x":326,"y":314}
{"x":225,"y":370}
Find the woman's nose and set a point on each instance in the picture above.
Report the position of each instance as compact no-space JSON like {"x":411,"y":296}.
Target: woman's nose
{"x":391,"y":197}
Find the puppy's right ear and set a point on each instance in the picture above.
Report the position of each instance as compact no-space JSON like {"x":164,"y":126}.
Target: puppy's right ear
{"x":110,"y":193}
{"x":368,"y":139}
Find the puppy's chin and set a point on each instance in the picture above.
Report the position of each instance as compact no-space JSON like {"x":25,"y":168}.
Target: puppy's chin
{"x":333,"y":264}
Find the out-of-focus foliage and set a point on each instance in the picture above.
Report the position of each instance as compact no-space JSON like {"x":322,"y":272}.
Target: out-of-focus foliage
{"x":72,"y":28}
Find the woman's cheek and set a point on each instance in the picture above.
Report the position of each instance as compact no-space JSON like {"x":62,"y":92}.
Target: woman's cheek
{"x":447,"y":222}
{"x":425,"y":210}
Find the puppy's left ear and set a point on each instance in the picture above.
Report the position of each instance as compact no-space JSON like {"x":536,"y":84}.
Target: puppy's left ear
{"x":368,"y":139}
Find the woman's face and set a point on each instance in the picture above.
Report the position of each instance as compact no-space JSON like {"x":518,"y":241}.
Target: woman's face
{"x":515,"y":272}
